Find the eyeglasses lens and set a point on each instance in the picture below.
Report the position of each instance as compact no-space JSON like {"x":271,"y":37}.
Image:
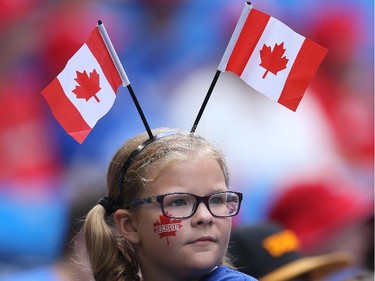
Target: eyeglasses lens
{"x":223,"y":204}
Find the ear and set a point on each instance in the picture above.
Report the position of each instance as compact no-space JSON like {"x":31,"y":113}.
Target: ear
{"x":127,"y":224}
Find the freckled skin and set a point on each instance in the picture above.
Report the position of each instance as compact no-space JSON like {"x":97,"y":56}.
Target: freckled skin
{"x":182,"y":257}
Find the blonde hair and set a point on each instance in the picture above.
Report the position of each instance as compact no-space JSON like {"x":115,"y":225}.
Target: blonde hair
{"x":111,"y":256}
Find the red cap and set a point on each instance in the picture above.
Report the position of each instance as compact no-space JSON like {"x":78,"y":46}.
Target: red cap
{"x":316,"y":210}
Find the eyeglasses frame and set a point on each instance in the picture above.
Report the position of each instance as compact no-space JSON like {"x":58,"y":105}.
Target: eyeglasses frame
{"x":159,"y":199}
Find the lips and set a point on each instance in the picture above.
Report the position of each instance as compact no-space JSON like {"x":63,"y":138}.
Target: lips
{"x":204,"y":240}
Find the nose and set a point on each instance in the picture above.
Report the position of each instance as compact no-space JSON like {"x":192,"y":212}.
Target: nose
{"x":202,"y":215}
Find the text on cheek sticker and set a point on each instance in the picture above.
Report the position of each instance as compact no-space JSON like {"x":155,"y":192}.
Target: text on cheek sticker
{"x":167,"y":227}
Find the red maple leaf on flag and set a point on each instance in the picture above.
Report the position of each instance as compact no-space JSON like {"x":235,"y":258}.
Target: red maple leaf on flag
{"x":273,"y":60}
{"x":167,"y":227}
{"x":87,"y":87}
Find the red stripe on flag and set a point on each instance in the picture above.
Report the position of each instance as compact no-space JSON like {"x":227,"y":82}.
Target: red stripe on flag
{"x":249,"y":36}
{"x":100,"y":52}
{"x":65,"y":112}
{"x":306,"y":64}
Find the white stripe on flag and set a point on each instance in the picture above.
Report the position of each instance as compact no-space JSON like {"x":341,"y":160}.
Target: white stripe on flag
{"x":91,"y":110}
{"x":275,"y":33}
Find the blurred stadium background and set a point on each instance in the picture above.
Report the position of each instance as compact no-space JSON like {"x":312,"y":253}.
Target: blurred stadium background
{"x":170,"y":50}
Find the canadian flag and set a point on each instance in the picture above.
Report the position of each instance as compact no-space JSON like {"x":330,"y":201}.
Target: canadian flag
{"x":271,"y":57}
{"x":86,"y":88}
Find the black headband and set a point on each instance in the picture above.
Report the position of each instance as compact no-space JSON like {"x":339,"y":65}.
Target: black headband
{"x":134,"y":154}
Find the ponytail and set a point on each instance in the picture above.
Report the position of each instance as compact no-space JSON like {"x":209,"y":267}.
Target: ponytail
{"x":111,"y":258}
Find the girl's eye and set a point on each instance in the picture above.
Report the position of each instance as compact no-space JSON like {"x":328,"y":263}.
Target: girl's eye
{"x":217,"y":200}
{"x":177,"y":203}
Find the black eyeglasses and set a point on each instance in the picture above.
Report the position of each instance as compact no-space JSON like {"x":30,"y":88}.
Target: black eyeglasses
{"x":182,"y":205}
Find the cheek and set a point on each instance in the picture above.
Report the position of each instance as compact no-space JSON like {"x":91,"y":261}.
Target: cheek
{"x":166,"y":228}
{"x":225,"y":227}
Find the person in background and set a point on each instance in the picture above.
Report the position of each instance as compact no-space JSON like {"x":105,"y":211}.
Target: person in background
{"x":329,"y":216}
{"x":270,"y":252}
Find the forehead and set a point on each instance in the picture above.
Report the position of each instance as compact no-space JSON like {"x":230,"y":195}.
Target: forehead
{"x":199,"y":174}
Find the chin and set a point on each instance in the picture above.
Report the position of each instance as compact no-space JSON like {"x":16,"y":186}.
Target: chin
{"x":204,"y":262}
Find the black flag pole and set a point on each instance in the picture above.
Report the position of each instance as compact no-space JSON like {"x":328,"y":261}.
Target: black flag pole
{"x":123,"y":76}
{"x":205,"y":101}
{"x":144,"y":120}
{"x":221,"y":68}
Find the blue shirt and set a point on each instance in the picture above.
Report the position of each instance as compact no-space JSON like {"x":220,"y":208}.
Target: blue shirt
{"x":224,"y":273}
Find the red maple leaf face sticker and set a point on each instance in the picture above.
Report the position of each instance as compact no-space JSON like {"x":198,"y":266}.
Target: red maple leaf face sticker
{"x":273,"y":60}
{"x":167,"y":227}
{"x":88,"y":86}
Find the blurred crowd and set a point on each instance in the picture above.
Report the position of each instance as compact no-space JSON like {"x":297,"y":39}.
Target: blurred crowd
{"x":310,"y":170}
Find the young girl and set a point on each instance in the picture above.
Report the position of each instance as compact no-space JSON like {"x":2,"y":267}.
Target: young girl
{"x":167,"y":215}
